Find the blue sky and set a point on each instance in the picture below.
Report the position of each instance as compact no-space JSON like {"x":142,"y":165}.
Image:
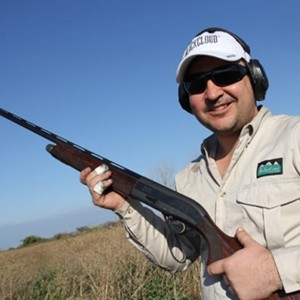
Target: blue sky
{"x":102,"y":74}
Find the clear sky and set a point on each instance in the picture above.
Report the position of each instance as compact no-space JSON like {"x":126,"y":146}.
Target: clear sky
{"x":102,"y":74}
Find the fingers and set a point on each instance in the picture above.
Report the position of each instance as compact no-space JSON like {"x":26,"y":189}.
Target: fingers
{"x":216,"y":268}
{"x":83,"y":174}
{"x":244,"y":238}
{"x":97,"y":180}
{"x":100,"y":186}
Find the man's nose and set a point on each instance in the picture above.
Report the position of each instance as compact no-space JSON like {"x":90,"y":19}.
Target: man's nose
{"x":213,"y":91}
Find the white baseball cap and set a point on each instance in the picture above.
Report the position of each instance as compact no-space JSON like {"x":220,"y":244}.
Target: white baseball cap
{"x":219,"y":44}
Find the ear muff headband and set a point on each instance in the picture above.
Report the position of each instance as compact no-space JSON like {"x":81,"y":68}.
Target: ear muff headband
{"x":257,"y":75}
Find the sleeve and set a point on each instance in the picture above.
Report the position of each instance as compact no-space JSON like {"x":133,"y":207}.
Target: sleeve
{"x":288,"y":264}
{"x":157,"y":239}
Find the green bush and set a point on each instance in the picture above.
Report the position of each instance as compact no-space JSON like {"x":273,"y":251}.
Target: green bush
{"x":32,"y":239}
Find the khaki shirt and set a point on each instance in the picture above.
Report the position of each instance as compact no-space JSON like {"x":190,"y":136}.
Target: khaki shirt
{"x":259,"y":192}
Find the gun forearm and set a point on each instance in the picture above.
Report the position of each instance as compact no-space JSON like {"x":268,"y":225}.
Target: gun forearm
{"x":124,"y":180}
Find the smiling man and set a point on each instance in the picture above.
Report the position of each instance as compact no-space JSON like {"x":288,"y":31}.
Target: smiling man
{"x":246,"y":177}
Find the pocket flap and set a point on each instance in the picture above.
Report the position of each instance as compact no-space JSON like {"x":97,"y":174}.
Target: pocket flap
{"x":269,"y":194}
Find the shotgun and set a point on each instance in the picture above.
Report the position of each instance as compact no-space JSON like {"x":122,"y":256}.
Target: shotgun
{"x":132,"y":185}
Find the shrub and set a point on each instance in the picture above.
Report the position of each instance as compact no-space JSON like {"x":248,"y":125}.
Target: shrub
{"x":32,"y":239}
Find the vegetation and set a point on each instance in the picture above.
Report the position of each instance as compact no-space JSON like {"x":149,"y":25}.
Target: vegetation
{"x":32,"y":239}
{"x":92,"y":264}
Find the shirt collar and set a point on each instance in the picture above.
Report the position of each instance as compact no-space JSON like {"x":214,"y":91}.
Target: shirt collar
{"x":253,"y":126}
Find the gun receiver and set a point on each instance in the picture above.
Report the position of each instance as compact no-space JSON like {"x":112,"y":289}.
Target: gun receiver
{"x":132,"y":185}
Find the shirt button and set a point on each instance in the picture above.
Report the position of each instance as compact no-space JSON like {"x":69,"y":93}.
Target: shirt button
{"x":298,"y":279}
{"x":129,"y":210}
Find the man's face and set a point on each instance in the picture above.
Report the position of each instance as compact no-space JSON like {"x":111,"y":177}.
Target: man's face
{"x":223,"y":110}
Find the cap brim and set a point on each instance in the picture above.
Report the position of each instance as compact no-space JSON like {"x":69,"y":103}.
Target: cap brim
{"x":182,"y":68}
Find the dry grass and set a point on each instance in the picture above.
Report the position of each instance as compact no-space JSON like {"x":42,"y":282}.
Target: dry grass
{"x":96,"y":265}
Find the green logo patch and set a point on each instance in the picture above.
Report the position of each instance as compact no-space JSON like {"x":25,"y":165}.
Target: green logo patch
{"x":270,"y":167}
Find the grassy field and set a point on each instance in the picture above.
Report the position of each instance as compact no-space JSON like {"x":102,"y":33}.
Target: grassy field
{"x":97,"y":264}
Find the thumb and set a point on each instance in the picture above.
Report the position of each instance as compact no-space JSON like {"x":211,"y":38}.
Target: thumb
{"x":244,"y":238}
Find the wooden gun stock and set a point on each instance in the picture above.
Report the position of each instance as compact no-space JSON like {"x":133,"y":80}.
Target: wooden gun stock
{"x":132,"y":185}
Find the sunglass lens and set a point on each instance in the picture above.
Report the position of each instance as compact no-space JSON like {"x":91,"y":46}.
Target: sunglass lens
{"x":196,"y":86}
{"x":227,"y":77}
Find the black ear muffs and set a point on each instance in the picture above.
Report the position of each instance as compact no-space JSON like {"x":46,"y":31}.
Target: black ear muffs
{"x":258,"y":76}
{"x":259,"y":79}
{"x":183,"y":97}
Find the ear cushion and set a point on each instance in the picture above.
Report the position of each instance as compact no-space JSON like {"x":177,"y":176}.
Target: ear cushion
{"x":259,"y":79}
{"x":184,"y":98}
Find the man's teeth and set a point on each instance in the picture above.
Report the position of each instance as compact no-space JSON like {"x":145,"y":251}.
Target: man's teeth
{"x":220,"y":107}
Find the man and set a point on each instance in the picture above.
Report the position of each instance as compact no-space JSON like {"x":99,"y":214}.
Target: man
{"x":247,"y":177}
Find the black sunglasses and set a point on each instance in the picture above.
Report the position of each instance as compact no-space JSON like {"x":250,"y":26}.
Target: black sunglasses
{"x":223,"y":76}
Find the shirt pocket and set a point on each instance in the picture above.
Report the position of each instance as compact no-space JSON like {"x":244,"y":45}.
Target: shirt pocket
{"x":271,"y":211}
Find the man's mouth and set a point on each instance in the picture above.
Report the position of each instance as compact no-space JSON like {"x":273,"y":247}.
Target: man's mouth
{"x":219,"y":107}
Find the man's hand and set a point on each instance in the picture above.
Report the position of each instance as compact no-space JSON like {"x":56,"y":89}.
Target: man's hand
{"x":110,"y":200}
{"x":251,"y":272}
